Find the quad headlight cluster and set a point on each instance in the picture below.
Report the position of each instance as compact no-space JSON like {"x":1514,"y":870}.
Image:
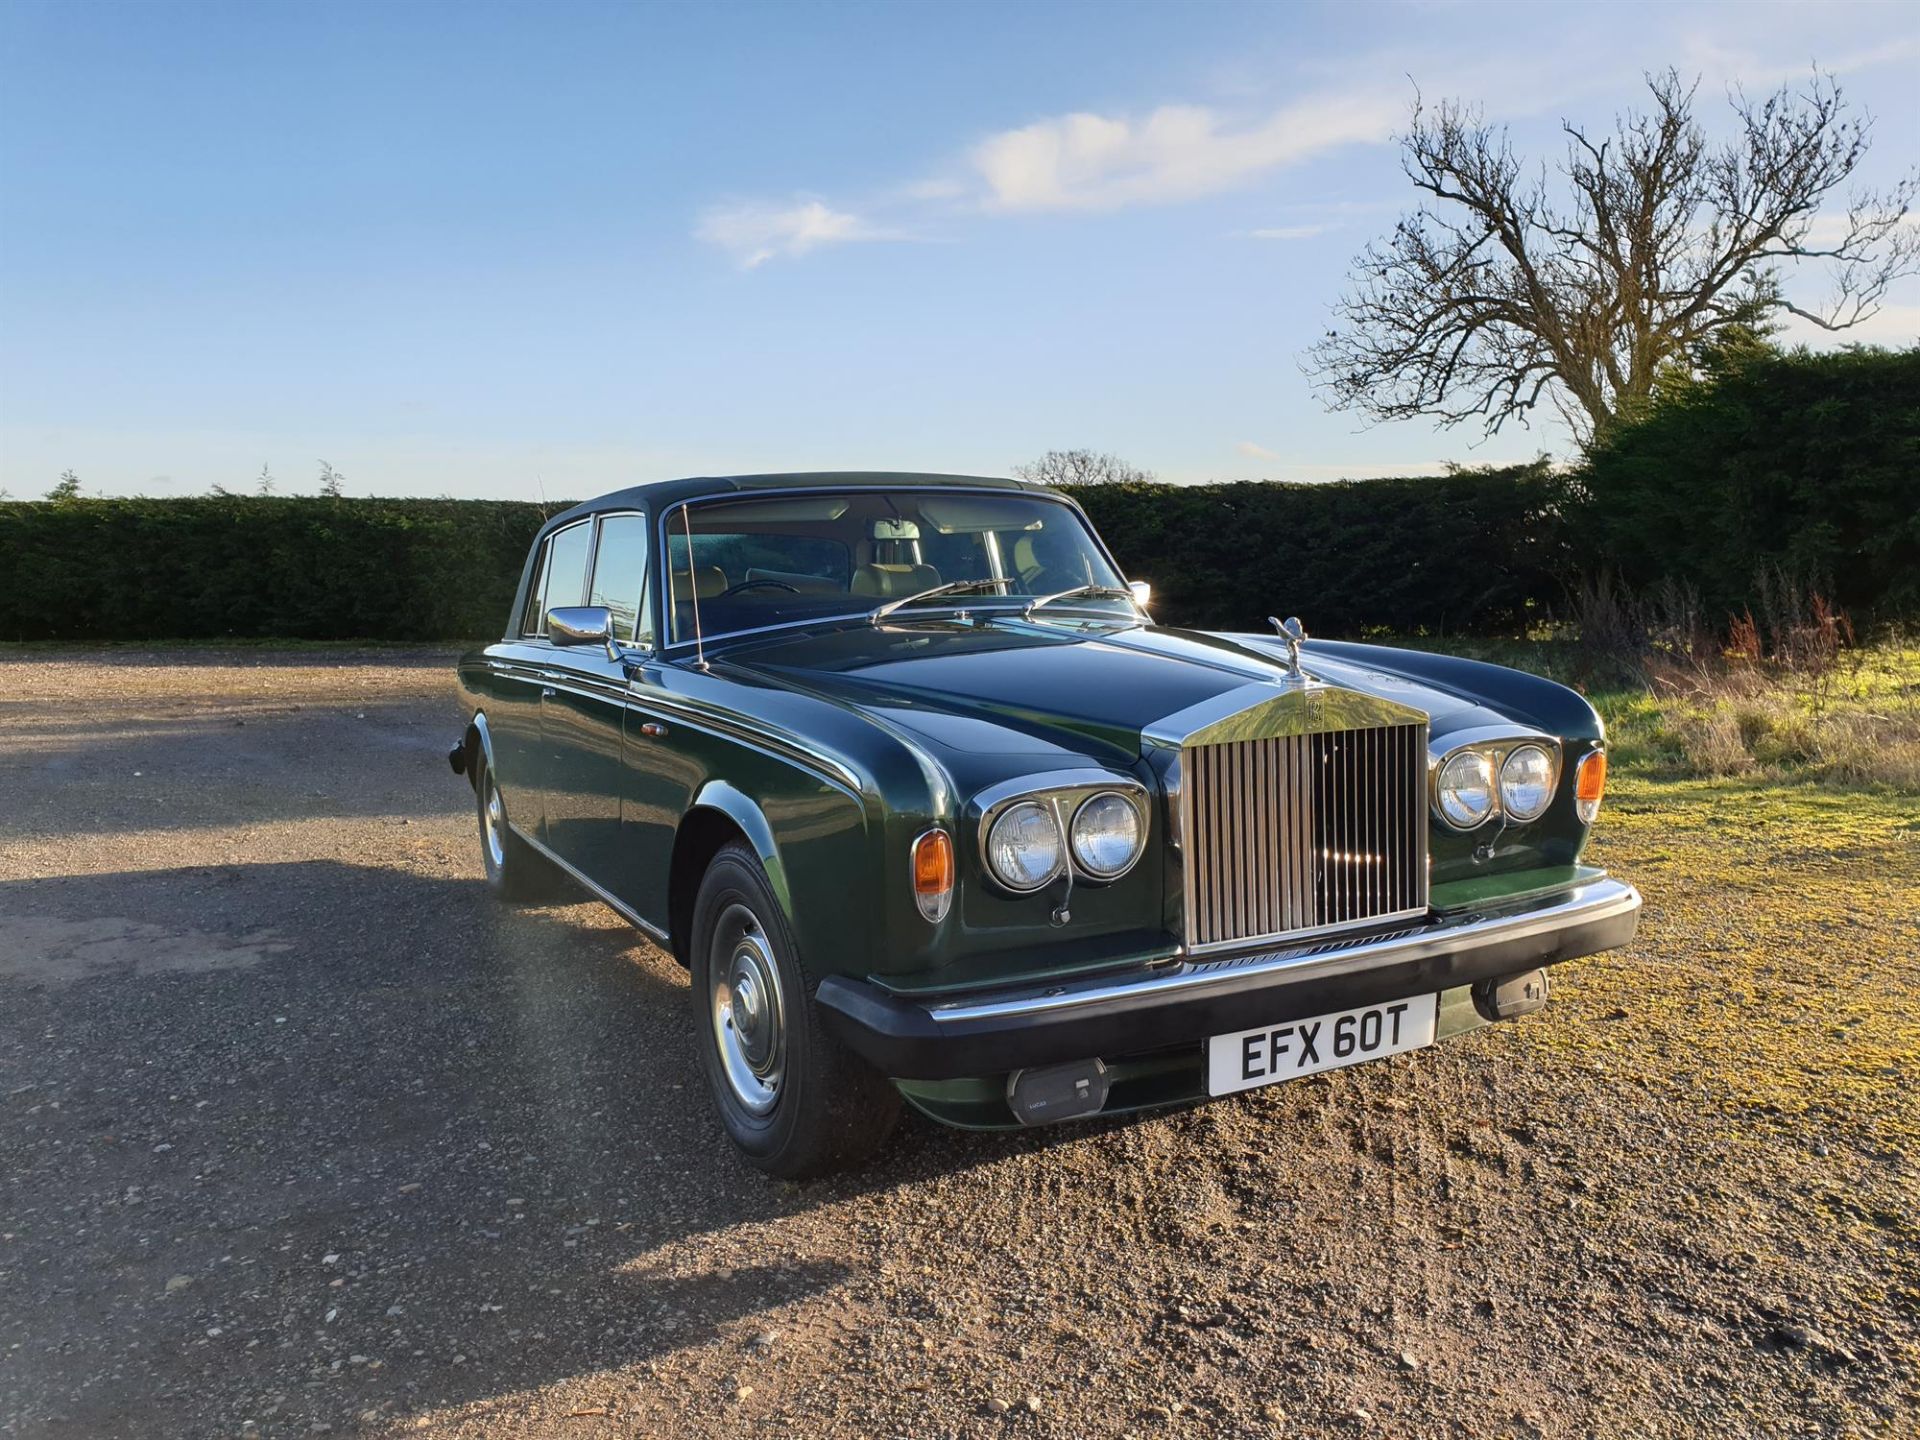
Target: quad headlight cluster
{"x":1513,"y":777}
{"x":1098,"y":830}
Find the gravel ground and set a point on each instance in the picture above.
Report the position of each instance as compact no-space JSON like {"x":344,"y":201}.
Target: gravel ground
{"x":301,"y":1133}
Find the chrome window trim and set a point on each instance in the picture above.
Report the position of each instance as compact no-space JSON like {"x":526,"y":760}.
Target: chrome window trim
{"x":546,"y":554}
{"x":1496,"y":742}
{"x":664,"y":587}
{"x":598,"y":517}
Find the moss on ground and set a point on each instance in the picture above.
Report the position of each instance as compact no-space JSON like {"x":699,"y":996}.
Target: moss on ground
{"x":1774,"y":990}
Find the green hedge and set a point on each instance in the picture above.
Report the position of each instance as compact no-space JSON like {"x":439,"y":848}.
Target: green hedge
{"x":1473,"y":551}
{"x":1802,"y":463}
{"x":1478,"y":551}
{"x":258,"y":566}
{"x":1797,"y":463}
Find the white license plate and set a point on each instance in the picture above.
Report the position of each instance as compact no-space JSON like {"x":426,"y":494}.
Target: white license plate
{"x":1251,"y":1058}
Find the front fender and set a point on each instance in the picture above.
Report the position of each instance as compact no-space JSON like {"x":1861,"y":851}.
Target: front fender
{"x":751,"y":820}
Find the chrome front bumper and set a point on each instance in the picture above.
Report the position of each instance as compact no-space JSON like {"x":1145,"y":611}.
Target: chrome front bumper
{"x":1169,"y":1005}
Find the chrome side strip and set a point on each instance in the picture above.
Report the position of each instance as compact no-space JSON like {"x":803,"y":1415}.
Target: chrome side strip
{"x":729,"y":727}
{"x":1597,"y":900}
{"x":612,"y":902}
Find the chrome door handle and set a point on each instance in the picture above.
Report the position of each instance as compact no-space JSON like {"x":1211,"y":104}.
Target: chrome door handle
{"x":547,"y":692}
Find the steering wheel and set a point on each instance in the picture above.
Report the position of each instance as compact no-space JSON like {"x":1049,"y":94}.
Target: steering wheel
{"x":755,"y":585}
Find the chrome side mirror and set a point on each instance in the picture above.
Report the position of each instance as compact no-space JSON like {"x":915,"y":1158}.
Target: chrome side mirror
{"x":1141,"y":591}
{"x":570,"y":625}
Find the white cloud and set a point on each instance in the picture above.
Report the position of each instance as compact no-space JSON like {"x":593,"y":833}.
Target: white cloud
{"x":1720,"y":64}
{"x":1178,"y":152}
{"x":1073,"y":162}
{"x":1255,"y":451}
{"x":754,"y":233}
{"x":1292,"y":232}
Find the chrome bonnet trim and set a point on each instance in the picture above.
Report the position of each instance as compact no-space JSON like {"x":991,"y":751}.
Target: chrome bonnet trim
{"x":1596,"y":900}
{"x":1265,"y":710}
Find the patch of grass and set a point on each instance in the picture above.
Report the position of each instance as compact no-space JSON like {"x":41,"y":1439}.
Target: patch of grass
{"x":1771,"y":987}
{"x":1853,"y":723}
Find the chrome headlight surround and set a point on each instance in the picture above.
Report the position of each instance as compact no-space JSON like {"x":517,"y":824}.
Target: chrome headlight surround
{"x":1495,"y":747}
{"x":1548,"y":774}
{"x":1040,"y":813}
{"x":1064,"y":794}
{"x":1477,"y":773}
{"x":1082,"y":813}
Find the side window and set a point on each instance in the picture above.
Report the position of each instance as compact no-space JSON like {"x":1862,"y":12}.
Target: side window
{"x":532,"y":622}
{"x":620,"y":578}
{"x":564,"y":579}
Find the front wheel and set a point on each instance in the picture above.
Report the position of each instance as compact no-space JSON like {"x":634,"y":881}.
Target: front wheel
{"x":794,"y":1100}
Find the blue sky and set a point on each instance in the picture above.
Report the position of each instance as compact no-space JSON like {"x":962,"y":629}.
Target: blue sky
{"x":550,"y":249}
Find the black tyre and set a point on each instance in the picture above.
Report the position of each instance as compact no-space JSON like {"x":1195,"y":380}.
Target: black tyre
{"x":515,"y":870}
{"x":795,"y":1100}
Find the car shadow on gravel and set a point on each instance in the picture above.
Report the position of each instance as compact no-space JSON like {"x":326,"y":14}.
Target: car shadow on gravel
{"x":365,"y":1140}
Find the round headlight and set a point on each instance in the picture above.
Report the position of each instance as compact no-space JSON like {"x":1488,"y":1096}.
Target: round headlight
{"x":1024,"y":846}
{"x":1526,"y":783}
{"x":1106,"y":834}
{"x":1465,"y":789}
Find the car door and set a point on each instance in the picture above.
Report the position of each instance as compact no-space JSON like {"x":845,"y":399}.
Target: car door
{"x":523,"y":669}
{"x":584,"y":710}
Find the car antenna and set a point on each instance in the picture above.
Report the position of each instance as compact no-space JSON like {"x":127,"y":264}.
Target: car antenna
{"x":693,"y":592}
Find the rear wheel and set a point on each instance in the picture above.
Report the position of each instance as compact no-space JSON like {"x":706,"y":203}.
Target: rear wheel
{"x":795,"y":1100}
{"x":515,"y":870}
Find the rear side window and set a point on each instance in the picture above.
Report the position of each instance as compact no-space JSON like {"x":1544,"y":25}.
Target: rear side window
{"x":620,"y":577}
{"x":563,"y":576}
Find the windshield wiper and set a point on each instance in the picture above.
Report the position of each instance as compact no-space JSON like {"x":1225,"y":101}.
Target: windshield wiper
{"x":1104,"y":592}
{"x":952,"y":587}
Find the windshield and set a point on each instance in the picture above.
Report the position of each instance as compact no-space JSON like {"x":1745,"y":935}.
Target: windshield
{"x":790,"y":558}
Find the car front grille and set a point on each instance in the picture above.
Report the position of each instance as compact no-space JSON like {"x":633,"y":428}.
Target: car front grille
{"x":1303,"y":833}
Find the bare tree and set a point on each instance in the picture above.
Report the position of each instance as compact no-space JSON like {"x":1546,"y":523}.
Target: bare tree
{"x":1501,"y":289}
{"x":1080,"y":467}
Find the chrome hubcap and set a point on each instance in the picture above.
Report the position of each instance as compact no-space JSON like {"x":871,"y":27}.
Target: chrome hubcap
{"x":749,"y":1010}
{"x":493,"y":825}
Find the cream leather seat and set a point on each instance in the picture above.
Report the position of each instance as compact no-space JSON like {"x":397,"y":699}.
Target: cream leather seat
{"x":890,"y":582}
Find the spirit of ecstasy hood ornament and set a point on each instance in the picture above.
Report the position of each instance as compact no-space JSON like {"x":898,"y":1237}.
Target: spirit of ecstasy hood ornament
{"x":1293,"y":632}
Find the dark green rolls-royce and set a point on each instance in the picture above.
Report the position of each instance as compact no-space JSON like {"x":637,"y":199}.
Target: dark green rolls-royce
{"x":904,"y":773}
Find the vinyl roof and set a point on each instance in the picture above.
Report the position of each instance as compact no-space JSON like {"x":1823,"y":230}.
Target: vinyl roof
{"x":658,"y":493}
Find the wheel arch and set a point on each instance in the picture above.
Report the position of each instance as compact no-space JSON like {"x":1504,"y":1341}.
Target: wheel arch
{"x":477,"y":743}
{"x":720,"y":814}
